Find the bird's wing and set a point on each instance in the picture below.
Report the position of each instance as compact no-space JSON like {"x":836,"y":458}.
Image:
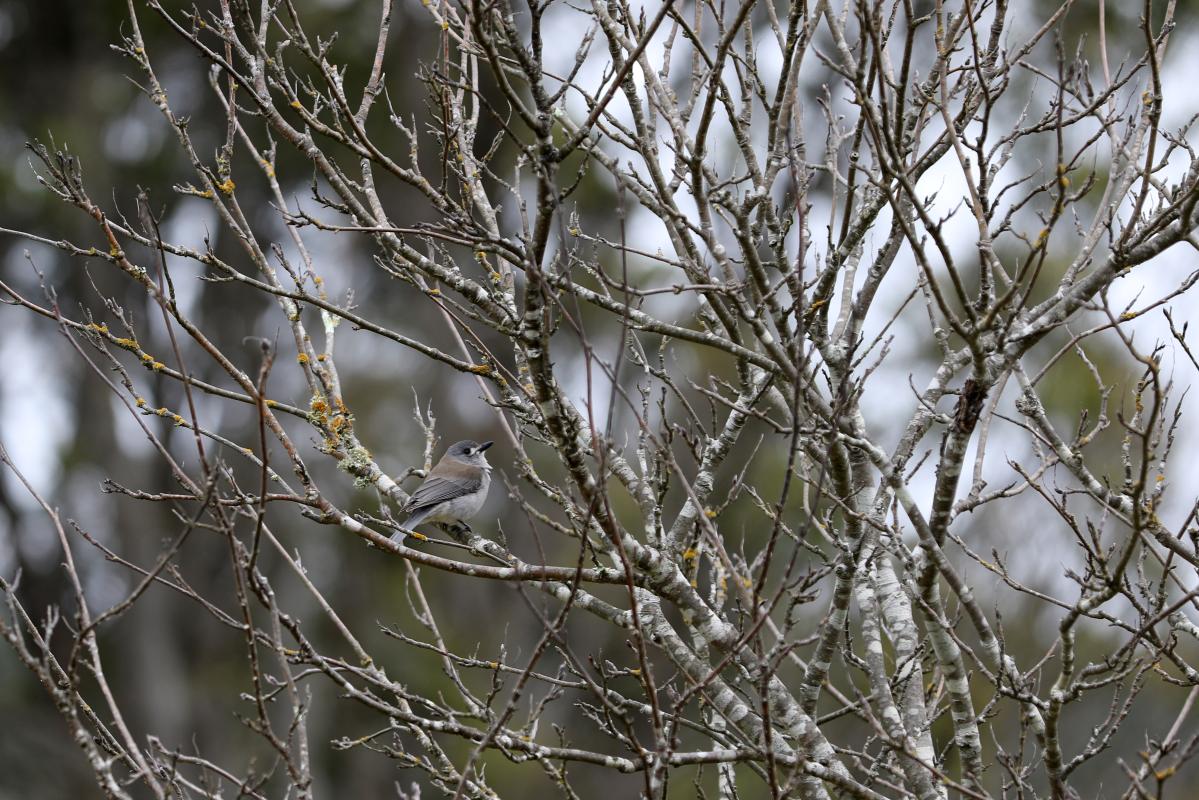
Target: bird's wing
{"x":437,"y":489}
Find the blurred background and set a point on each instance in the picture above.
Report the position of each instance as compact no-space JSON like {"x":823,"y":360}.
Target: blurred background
{"x":180,"y":671}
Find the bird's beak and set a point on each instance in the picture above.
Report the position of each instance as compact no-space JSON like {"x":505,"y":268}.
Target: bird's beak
{"x":485,"y":445}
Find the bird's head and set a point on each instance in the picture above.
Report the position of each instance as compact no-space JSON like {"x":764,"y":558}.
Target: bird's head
{"x":469,"y":451}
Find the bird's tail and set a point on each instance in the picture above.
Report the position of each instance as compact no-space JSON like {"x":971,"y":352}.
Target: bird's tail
{"x":414,"y":519}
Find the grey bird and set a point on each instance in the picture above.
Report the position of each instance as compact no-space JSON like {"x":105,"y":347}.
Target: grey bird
{"x":453,"y":491}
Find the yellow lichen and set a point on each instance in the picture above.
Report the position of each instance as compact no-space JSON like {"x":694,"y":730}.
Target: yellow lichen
{"x":302,"y":358}
{"x":101,"y":328}
{"x":227,"y":186}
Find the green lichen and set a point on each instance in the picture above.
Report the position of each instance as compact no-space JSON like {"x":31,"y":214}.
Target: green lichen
{"x":357,"y":461}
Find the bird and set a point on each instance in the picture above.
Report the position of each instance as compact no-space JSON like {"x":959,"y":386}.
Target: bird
{"x":453,"y":491}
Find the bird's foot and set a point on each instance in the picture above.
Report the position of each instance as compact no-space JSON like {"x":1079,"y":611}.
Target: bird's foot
{"x":459,"y":530}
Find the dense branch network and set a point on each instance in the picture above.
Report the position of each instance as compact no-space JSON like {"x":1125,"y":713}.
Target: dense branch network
{"x":795,"y":186}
